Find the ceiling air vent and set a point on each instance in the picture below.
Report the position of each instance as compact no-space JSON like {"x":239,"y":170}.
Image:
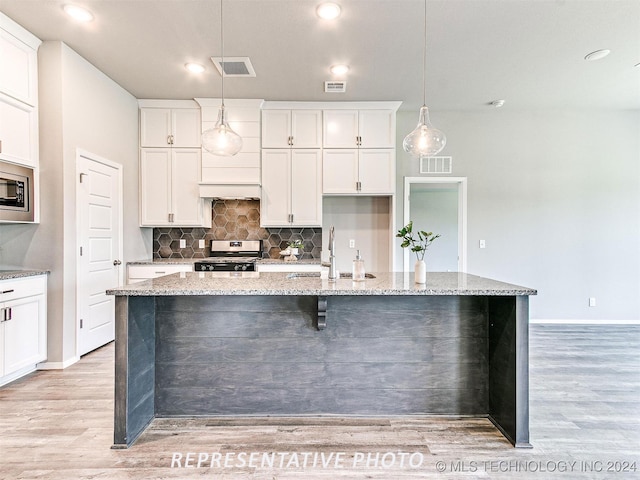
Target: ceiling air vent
{"x":234,"y":66}
{"x":335,"y":87}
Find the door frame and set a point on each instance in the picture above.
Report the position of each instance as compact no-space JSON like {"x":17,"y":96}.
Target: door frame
{"x":461,"y":185}
{"x":80,"y":153}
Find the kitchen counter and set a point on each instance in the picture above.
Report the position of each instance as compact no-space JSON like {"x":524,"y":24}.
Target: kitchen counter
{"x":253,"y":283}
{"x":282,"y":344}
{"x":16,"y":273}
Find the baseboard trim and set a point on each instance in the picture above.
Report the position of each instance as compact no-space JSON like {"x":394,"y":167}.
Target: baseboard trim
{"x":57,"y":365}
{"x":583,"y":322}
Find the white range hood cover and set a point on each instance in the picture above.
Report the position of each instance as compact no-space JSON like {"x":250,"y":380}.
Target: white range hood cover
{"x":230,"y":191}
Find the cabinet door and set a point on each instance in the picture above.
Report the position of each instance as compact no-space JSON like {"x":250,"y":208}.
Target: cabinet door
{"x":276,"y":128}
{"x":306,"y":188}
{"x":155,"y":127}
{"x":186,"y":204}
{"x":306,"y":128}
{"x":185,"y":127}
{"x":275,"y":205}
{"x":339,"y":171}
{"x":18,"y":69}
{"x":18,"y":132}
{"x":155,"y":187}
{"x":377,"y":171}
{"x":24,"y":333}
{"x":377,"y":128}
{"x":340,"y":128}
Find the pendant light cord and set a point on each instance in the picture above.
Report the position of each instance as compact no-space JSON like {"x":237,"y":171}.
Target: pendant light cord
{"x":222,"y":51}
{"x":424,"y":60}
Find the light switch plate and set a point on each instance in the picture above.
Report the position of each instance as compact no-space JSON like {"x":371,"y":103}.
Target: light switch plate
{"x":201,"y":243}
{"x":483,"y":244}
{"x":183,"y":243}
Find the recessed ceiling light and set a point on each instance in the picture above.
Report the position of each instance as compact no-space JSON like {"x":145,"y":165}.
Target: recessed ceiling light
{"x":78,"y":13}
{"x":339,"y":69}
{"x":328,"y":10}
{"x":194,"y":67}
{"x":597,"y":55}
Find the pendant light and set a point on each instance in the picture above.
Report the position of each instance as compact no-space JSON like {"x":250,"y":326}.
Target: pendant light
{"x":424,"y":140}
{"x":221,"y":139}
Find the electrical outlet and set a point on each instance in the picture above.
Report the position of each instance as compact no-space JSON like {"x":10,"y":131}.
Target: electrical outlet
{"x":352,"y":243}
{"x":201,"y":243}
{"x":592,"y":301}
{"x":183,"y":243}
{"x":483,"y":244}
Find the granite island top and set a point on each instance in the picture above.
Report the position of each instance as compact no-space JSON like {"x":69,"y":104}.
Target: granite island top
{"x":254,"y":283}
{"x":7,"y":274}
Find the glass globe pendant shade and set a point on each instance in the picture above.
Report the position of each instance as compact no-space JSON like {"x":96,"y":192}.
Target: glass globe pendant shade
{"x":424,"y":140}
{"x":221,"y":139}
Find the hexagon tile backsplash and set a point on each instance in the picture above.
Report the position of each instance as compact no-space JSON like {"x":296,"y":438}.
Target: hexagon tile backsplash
{"x":234,"y":219}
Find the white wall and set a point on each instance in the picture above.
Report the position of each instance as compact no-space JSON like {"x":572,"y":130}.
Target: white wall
{"x":556,"y":196}
{"x":80,"y":108}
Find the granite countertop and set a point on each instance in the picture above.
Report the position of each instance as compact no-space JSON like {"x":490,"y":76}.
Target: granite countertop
{"x":189,"y":261}
{"x":18,"y":273}
{"x":254,"y":283}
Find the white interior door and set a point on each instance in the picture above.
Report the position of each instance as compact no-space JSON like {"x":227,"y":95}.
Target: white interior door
{"x":100,"y":239}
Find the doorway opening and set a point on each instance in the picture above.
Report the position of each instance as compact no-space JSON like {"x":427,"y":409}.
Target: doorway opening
{"x":438,"y":205}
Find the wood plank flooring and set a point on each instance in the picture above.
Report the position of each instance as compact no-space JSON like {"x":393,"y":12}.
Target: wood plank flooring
{"x":585,"y":408}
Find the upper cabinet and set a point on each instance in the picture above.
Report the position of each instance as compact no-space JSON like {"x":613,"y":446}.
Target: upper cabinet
{"x":170,"y":127}
{"x":359,"y":128}
{"x":291,"y":129}
{"x":18,"y":94}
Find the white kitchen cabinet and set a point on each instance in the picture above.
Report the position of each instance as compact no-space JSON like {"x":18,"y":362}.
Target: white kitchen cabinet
{"x":291,"y":128}
{"x":170,"y":190}
{"x":359,"y":128}
{"x":175,"y":127}
{"x":18,"y":132}
{"x":18,"y":94}
{"x":358,"y":171}
{"x":291,"y":188}
{"x":139,"y":273}
{"x":18,"y":62}
{"x":23,"y":326}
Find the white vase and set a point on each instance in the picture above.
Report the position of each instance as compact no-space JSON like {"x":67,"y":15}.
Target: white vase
{"x":421,"y":271}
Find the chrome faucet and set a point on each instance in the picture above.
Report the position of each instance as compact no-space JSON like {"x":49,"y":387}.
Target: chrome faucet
{"x":332,"y":257}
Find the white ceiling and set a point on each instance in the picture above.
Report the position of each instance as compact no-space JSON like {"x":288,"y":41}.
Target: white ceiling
{"x":529,"y":52}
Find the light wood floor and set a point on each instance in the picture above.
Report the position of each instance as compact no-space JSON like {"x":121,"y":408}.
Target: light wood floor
{"x":585,"y":408}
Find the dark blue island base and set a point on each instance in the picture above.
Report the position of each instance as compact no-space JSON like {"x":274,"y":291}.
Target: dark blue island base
{"x":215,"y":355}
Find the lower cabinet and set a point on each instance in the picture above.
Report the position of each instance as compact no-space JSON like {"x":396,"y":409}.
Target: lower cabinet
{"x":23,"y":326}
{"x":291,"y":188}
{"x":139,"y":273}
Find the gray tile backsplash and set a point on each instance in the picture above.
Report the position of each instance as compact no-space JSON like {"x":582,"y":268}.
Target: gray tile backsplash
{"x":234,"y":219}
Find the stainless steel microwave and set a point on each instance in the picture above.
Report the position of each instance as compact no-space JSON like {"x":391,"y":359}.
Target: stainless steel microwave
{"x":16,"y":193}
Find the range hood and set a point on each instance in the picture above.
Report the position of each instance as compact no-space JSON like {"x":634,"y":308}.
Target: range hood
{"x":226,"y":191}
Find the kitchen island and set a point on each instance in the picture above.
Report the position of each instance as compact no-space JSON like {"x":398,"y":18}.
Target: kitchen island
{"x":244,"y":344}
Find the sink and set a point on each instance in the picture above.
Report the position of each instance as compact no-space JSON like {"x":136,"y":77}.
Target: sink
{"x":349,"y":275}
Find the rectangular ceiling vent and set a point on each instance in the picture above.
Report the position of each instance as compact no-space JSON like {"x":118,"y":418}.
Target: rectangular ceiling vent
{"x":234,"y":66}
{"x":436,"y":164}
{"x":335,"y":87}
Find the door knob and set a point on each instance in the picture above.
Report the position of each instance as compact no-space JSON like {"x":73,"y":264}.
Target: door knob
{"x":117,"y":262}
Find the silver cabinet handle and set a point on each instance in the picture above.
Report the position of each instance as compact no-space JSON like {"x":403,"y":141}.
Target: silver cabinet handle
{"x":171,"y":218}
{"x":117,"y":262}
{"x":170,"y":139}
{"x":8,"y":316}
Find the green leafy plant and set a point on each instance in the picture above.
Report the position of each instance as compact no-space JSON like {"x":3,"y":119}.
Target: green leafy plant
{"x":296,"y":244}
{"x":418,"y":241}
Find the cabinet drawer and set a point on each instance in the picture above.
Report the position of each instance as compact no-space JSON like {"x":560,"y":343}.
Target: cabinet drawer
{"x":154,"y":271}
{"x":22,"y":287}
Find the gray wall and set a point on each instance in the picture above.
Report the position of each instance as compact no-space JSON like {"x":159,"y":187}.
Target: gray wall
{"x":556,"y":196}
{"x":82,"y":108}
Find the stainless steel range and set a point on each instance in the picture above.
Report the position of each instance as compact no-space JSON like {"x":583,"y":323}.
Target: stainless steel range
{"x":230,"y":256}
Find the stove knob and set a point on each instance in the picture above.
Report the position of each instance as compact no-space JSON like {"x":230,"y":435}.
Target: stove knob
{"x":244,"y":267}
{"x":236,"y":268}
{"x":211,"y":267}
